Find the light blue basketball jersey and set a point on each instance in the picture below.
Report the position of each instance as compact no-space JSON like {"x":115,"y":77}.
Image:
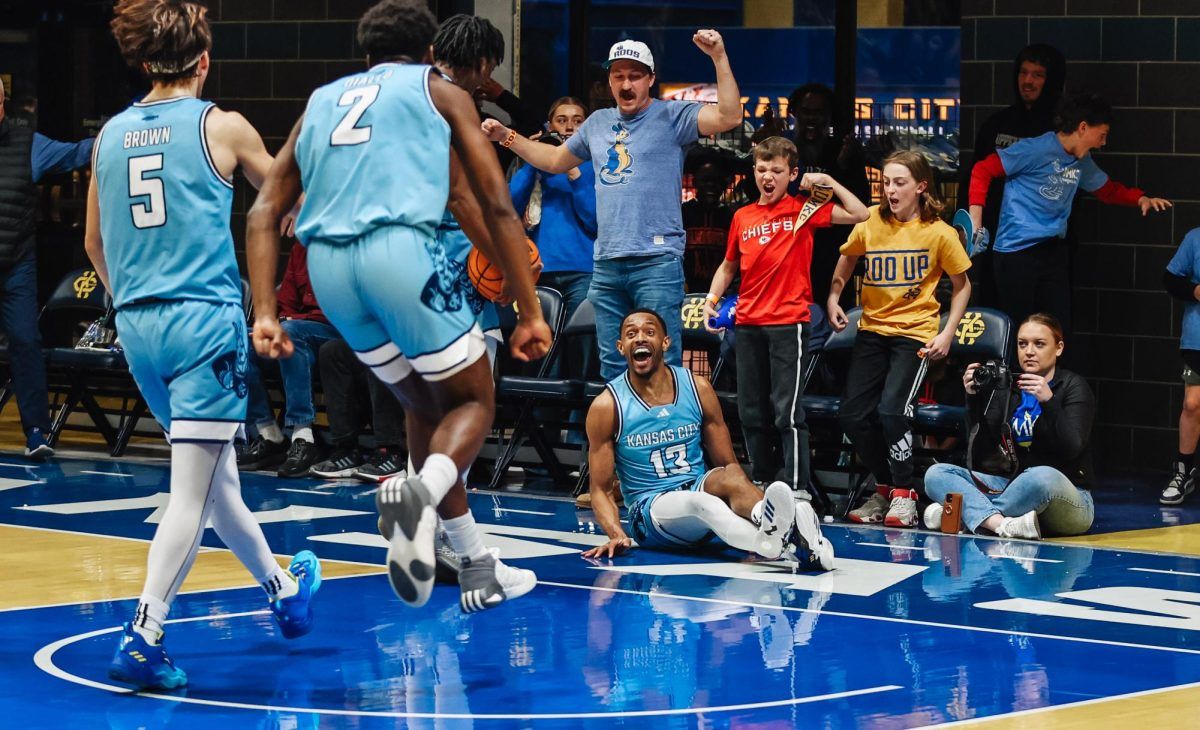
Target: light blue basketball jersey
{"x":659,"y":448}
{"x":373,"y":151}
{"x":164,"y":207}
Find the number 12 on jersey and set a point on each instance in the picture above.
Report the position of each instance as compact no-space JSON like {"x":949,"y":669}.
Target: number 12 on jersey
{"x":670,"y":461}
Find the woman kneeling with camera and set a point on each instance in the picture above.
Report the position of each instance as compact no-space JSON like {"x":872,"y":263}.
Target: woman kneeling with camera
{"x":1050,"y":412}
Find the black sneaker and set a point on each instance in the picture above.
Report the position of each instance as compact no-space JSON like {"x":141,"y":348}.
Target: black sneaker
{"x":381,"y":464}
{"x":262,"y":454}
{"x":341,"y":463}
{"x":300,"y":458}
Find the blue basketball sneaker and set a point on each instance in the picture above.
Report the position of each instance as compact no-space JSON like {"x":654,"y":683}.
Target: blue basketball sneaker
{"x":144,"y":665}
{"x":294,"y":614}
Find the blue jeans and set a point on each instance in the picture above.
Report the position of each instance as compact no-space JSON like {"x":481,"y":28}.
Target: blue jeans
{"x":1063,"y":508}
{"x":296,"y":373}
{"x":622,"y":285}
{"x":19,"y":320}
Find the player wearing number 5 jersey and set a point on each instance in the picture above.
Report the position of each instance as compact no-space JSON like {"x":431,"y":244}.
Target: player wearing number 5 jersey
{"x":652,"y":426}
{"x":158,"y":236}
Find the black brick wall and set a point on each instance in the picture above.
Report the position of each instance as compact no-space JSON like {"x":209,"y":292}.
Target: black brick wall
{"x":1144,"y":56}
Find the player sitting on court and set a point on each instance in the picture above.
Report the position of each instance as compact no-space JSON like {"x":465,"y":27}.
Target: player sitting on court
{"x":652,"y":424}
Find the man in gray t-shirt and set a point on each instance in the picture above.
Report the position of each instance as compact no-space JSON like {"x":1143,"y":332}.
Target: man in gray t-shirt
{"x":637,"y":152}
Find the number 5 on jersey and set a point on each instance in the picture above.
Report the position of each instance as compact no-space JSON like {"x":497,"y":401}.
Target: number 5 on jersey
{"x":152,"y":212}
{"x":346,"y":133}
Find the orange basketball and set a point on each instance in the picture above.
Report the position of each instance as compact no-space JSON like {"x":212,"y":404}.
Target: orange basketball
{"x":487,"y":277}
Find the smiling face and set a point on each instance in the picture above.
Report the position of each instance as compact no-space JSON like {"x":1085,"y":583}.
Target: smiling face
{"x":630,"y":83}
{"x":1037,"y":348}
{"x":1031,"y":79}
{"x":812,"y":117}
{"x":772,"y":177}
{"x":643,"y":341}
{"x":566,"y":119}
{"x":710,"y":183}
{"x":901,"y":192}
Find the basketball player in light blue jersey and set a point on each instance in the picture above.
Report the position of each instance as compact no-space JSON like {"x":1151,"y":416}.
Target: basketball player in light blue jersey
{"x":372,"y":155}
{"x":158,"y":236}
{"x":652,"y":425}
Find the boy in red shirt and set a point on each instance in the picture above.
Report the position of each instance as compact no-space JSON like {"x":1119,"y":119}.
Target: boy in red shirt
{"x":772,"y":241}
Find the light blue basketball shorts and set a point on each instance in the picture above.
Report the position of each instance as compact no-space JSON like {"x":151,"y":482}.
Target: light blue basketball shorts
{"x":652,"y":533}
{"x":189,"y":360}
{"x":400,"y":301}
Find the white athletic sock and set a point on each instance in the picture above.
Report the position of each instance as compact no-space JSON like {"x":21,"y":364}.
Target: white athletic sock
{"x":271,"y":432}
{"x":303,"y":433}
{"x":439,"y":474}
{"x":465,"y":537}
{"x":150,"y":617}
{"x":241,"y":533}
{"x":756,"y":512}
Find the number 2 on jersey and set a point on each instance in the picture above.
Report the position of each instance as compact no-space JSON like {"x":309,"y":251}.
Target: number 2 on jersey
{"x":346,"y":133}
{"x":676,"y":455}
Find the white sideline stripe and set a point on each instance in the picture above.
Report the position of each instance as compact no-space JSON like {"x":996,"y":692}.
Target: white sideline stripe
{"x":1166,"y":572}
{"x":107,"y":473}
{"x":894,"y":547}
{"x":888,"y":619}
{"x":1020,"y":559}
{"x":1080,"y":703}
{"x":925,"y":549}
{"x":522,"y":511}
{"x":305,"y":491}
{"x":44,"y":659}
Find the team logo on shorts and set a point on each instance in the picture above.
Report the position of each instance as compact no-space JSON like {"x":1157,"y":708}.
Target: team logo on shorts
{"x":230,"y":368}
{"x":447,"y":289}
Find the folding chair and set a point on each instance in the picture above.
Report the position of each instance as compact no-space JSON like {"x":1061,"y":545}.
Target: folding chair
{"x":821,"y":409}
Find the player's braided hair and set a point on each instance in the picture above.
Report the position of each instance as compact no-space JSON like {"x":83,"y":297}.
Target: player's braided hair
{"x":396,"y":29}
{"x":464,"y":41}
{"x":162,"y":38}
{"x":929,"y":203}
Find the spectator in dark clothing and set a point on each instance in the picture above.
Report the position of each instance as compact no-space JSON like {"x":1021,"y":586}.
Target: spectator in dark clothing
{"x":842,"y":159}
{"x":25,"y":157}
{"x":306,"y":324}
{"x":525,"y":120}
{"x":1039,"y":72}
{"x":706,"y":218}
{"x":350,"y":389}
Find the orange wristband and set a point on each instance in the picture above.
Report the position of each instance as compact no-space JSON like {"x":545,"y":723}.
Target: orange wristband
{"x":512,"y":137}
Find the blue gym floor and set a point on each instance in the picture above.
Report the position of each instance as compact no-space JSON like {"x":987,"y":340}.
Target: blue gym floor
{"x":911,"y":629}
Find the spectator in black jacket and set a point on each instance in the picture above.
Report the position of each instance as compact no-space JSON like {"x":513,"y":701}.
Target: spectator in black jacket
{"x":1051,"y":420}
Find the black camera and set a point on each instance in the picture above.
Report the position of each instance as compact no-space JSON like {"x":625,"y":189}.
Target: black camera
{"x":552,"y":138}
{"x":992,"y":375}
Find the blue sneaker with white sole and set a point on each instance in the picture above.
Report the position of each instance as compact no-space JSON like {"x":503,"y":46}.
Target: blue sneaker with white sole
{"x":144,"y":665}
{"x":294,"y":614}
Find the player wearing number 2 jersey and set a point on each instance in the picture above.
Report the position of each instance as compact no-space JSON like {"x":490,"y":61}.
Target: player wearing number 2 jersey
{"x":158,"y":236}
{"x":652,"y":426}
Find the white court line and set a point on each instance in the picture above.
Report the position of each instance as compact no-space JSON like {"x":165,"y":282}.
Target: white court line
{"x":1166,"y":572}
{"x":522,"y":511}
{"x":1048,"y":708}
{"x":106,"y":473}
{"x":888,"y":619}
{"x":894,"y":547}
{"x":44,"y":659}
{"x":1020,"y":559}
{"x":305,"y":491}
{"x":19,"y":466}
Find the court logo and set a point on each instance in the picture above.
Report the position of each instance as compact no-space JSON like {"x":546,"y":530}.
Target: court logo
{"x":85,"y":284}
{"x":970,"y":328}
{"x":619,"y":167}
{"x":230,"y":368}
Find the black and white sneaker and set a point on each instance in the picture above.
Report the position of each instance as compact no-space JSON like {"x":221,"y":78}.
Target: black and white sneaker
{"x":486,"y":583}
{"x":300,"y":458}
{"x":382,"y":464}
{"x":341,"y":463}
{"x":1183,"y":482}
{"x":408,"y":521}
{"x":262,"y":454}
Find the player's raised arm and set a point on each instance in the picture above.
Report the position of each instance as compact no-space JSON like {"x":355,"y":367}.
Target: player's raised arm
{"x":278,"y":194}
{"x":531,"y":338}
{"x":601,"y":427}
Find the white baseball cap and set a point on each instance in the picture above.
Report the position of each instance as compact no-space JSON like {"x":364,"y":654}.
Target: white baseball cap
{"x":628,"y":50}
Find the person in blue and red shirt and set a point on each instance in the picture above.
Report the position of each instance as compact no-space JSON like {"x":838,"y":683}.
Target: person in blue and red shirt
{"x":1043,"y":174}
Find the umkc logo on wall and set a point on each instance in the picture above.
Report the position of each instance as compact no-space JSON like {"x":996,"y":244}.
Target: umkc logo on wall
{"x":85,"y":284}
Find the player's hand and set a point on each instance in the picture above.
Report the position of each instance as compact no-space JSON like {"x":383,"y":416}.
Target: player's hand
{"x":969,"y":378}
{"x":813,"y":179}
{"x":837,"y":316}
{"x":530,"y":339}
{"x":270,"y":339}
{"x":938,"y":347}
{"x":494,"y":130}
{"x":506,"y":298}
{"x":710,"y":41}
{"x":710,"y":311}
{"x":1036,"y":386}
{"x":489,"y":90}
{"x":611,"y":549}
{"x":1148,"y":204}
